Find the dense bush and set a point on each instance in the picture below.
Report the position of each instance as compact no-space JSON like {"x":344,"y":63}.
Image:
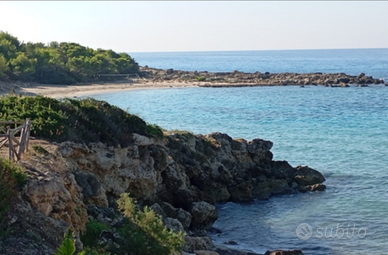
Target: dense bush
{"x":59,"y":63}
{"x":86,"y":120}
{"x":147,"y":231}
{"x":141,"y":233}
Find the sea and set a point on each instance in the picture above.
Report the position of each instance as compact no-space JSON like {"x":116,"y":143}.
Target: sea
{"x":342,"y":132}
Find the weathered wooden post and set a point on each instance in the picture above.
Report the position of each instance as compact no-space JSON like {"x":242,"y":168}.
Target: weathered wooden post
{"x":28,"y":129}
{"x":10,"y":144}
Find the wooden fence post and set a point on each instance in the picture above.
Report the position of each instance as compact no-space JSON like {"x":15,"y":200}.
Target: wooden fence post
{"x":10,"y":144}
{"x":28,"y":129}
{"x":16,"y":147}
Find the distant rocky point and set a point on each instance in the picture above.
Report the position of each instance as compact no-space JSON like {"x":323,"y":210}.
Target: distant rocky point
{"x":241,"y":79}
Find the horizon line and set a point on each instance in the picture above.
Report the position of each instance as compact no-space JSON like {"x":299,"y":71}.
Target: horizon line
{"x":197,"y":51}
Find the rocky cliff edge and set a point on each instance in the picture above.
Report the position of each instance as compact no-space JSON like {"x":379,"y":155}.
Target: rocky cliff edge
{"x":181,"y":177}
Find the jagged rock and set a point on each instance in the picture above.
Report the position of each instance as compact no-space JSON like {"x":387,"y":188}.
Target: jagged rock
{"x":197,"y":243}
{"x":185,"y":218}
{"x":241,"y":192}
{"x":140,"y":140}
{"x":56,"y":196}
{"x":173,"y":224}
{"x":239,"y":79}
{"x":280,"y":187}
{"x":169,"y":210}
{"x":282,"y":170}
{"x":158,"y":210}
{"x":92,"y":190}
{"x":184,"y":173}
{"x":204,"y":215}
{"x":106,"y":215}
{"x":216,"y":193}
{"x":259,"y":146}
{"x":307,"y":176}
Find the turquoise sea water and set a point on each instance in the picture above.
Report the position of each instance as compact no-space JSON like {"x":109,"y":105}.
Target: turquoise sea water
{"x":342,"y":132}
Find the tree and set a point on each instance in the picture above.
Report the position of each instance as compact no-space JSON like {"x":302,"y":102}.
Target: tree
{"x":12,"y":39}
{"x":3,"y":66}
{"x":59,"y":63}
{"x":23,"y":66}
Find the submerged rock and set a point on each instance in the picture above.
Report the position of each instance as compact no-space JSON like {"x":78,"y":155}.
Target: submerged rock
{"x":284,"y":252}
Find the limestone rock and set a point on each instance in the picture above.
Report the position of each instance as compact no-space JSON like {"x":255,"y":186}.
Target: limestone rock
{"x":204,"y":215}
{"x":173,"y":224}
{"x":158,"y":210}
{"x":140,"y":140}
{"x":307,"y":176}
{"x":259,"y":146}
{"x":197,"y":243}
{"x":184,"y":217}
{"x":242,"y":192}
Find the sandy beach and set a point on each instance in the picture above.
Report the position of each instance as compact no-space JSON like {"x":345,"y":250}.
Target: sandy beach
{"x":79,"y":90}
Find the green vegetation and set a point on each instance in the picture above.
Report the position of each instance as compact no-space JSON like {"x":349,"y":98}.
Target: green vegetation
{"x":39,"y":149}
{"x":200,"y":78}
{"x":86,"y":120}
{"x":152,"y":236}
{"x":93,"y":231}
{"x":68,"y":245}
{"x":142,"y":233}
{"x":59,"y":63}
{"x":11,"y":178}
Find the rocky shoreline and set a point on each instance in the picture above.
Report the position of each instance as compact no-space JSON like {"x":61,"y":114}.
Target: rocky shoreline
{"x":180,"y":177}
{"x":241,"y":79}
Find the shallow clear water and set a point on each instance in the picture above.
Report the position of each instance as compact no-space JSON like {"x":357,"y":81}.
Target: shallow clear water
{"x":342,"y":132}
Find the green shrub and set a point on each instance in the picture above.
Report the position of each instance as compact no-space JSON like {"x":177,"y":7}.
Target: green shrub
{"x":93,"y":230}
{"x":154,"y":130}
{"x":149,"y":235}
{"x":200,"y":78}
{"x":68,"y":245}
{"x":141,"y":233}
{"x":86,"y":120}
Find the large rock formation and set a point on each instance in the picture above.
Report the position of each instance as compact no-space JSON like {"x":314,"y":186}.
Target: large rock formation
{"x":238,"y":79}
{"x":181,"y":177}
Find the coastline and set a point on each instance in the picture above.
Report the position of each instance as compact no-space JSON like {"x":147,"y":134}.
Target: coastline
{"x":62,"y":91}
{"x":152,"y":78}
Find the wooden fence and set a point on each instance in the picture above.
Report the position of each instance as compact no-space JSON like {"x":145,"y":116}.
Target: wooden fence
{"x":16,"y":139}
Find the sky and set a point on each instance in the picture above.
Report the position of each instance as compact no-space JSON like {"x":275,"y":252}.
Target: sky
{"x":165,"y":26}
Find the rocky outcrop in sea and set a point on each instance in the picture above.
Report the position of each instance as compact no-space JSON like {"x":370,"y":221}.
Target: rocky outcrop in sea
{"x":241,"y":79}
{"x":181,"y":177}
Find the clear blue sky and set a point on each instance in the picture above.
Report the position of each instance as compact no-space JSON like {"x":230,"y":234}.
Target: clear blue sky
{"x":129,"y":26}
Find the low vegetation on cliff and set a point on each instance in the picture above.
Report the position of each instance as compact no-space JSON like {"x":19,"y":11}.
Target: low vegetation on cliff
{"x":11,"y":178}
{"x":141,"y":233}
{"x":86,"y":120}
{"x":59,"y":63}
